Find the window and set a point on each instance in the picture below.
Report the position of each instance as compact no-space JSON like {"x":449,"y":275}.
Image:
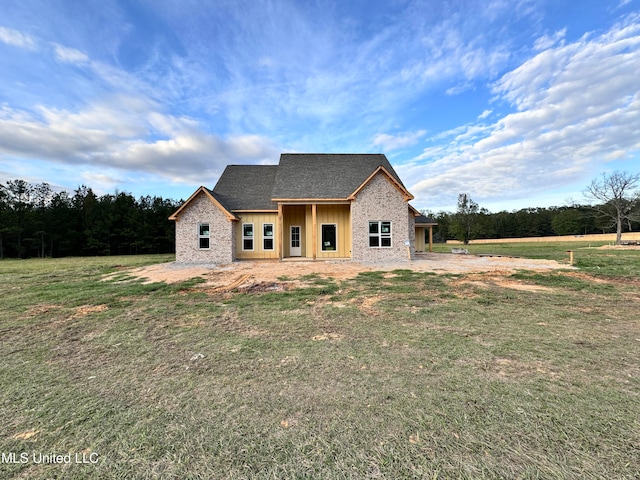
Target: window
{"x":203,"y":235}
{"x":267,"y":236}
{"x":247,"y":236}
{"x":379,"y":234}
{"x":329,"y":237}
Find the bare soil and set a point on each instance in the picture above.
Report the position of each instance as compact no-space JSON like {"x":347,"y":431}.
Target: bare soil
{"x":619,"y":247}
{"x":269,"y":274}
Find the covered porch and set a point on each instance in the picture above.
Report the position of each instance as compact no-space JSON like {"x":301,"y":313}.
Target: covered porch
{"x":424,"y":233}
{"x":315,"y":230}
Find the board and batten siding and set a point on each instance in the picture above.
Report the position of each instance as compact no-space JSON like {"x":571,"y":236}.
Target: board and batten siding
{"x":258,"y":219}
{"x":421,"y":244}
{"x":294,"y":215}
{"x":339,"y":215}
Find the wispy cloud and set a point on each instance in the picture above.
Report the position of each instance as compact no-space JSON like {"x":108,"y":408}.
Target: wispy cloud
{"x":176,"y":91}
{"x":69,"y":55}
{"x":15,"y":38}
{"x":393,"y":142}
{"x":572,"y":102}
{"x":330,"y":81}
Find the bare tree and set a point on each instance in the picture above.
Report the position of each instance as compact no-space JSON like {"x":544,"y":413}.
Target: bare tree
{"x":618,"y":200}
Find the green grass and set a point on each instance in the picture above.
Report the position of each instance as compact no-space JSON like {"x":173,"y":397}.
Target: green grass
{"x":386,"y":375}
{"x":587,"y":255}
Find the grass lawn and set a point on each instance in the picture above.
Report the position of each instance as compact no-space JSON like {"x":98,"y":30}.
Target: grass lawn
{"x":589,"y":257}
{"x":402,"y":375}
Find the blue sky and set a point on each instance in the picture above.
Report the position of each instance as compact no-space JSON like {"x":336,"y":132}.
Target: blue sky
{"x":519,"y":103}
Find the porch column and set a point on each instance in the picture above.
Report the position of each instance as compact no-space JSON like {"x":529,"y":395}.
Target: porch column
{"x":431,"y":238}
{"x":280,"y":242}
{"x":314,"y":229}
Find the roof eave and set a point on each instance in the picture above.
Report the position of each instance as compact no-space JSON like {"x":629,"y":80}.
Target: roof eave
{"x":309,"y":200}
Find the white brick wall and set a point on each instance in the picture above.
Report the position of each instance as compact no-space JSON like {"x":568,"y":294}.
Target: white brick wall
{"x":222,"y":234}
{"x":380,"y":201}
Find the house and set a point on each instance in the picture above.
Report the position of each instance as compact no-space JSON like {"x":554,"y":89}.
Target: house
{"x":315,"y":206}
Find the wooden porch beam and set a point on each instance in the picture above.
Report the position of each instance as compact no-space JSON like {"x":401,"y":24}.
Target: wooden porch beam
{"x":431,"y":238}
{"x":314,"y":229}
{"x":280,"y":233}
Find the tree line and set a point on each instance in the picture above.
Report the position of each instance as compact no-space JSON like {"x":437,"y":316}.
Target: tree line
{"x":527,"y":222}
{"x":35,"y":221}
{"x":38,"y":222}
{"x":614,"y":206}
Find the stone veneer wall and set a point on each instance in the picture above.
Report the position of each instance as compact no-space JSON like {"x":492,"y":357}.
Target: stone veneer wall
{"x":380,"y":201}
{"x":222,"y":240}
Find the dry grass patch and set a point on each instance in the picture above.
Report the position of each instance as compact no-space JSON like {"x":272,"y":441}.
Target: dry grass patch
{"x":512,"y":368}
{"x":383,"y":375}
{"x":498,"y":279}
{"x":84,"y":310}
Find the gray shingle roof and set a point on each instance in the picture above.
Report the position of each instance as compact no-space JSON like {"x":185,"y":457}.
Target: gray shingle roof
{"x":422,"y":220}
{"x":325,"y":175}
{"x":298,"y":175}
{"x":246,"y":187}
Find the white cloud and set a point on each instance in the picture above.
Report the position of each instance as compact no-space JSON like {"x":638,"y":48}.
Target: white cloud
{"x":485,"y":114}
{"x":393,"y":142}
{"x":15,"y":38}
{"x":101,"y":183}
{"x":576,"y":106}
{"x":547,"y":41}
{"x":119,"y":134}
{"x":69,"y":55}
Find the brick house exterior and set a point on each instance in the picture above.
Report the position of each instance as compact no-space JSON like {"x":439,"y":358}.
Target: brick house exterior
{"x":379,"y":200}
{"x":203,"y":211}
{"x":318,"y":206}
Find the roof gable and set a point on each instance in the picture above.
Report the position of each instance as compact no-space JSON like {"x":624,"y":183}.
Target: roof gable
{"x":211,"y":196}
{"x":327,"y":175}
{"x":399,"y":186}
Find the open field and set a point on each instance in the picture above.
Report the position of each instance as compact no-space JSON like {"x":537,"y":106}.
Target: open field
{"x":591,"y":238}
{"x":381,"y":374}
{"x":599,"y":259}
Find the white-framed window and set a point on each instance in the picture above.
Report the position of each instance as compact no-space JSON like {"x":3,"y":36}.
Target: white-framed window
{"x":380,"y":234}
{"x":267,"y":236}
{"x":204,"y":236}
{"x":247,"y":236}
{"x":329,"y":237}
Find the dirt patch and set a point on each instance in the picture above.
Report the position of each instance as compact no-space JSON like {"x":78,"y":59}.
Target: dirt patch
{"x":619,"y":247}
{"x":261,"y":287}
{"x":232,"y":322}
{"x":268,"y":274}
{"x":367,"y":305}
{"x":506,"y":368}
{"x":327,"y":336}
{"x":29,"y":434}
{"x":84,"y":310}
{"x":42,"y":309}
{"x":498,"y":279}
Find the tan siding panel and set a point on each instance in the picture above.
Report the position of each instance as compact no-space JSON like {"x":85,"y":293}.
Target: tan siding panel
{"x":420,"y":243}
{"x":340,"y":216}
{"x":294,"y":215}
{"x":258,"y":220}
